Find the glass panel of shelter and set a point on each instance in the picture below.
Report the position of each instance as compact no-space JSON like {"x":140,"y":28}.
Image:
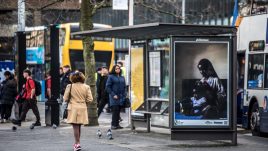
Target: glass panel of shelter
{"x":158,"y":51}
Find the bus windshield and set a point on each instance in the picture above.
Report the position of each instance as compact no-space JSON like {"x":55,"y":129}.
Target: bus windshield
{"x":102,"y":58}
{"x":79,"y":37}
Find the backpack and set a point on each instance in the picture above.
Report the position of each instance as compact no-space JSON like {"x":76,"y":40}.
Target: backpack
{"x":38,"y":88}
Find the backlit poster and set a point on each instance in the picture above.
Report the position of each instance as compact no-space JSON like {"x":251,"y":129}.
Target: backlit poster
{"x":201,"y":72}
{"x":137,"y":77}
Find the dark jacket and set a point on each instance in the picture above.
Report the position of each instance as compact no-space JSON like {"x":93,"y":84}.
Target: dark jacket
{"x":102,"y":93}
{"x":8,"y":91}
{"x":116,"y":85}
{"x":64,"y":82}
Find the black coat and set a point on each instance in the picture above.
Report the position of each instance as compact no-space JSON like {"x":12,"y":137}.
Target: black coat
{"x":65,"y":81}
{"x":8,"y":91}
{"x":102,"y":93}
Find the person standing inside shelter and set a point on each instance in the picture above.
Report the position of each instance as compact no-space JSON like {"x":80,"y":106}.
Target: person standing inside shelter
{"x":30,"y":100}
{"x":8,"y":93}
{"x":116,"y":87}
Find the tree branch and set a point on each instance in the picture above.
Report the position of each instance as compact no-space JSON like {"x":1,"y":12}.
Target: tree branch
{"x":157,"y":10}
{"x":50,"y":4}
{"x":99,"y":5}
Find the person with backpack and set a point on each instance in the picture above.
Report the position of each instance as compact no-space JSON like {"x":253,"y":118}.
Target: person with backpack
{"x":32,"y":89}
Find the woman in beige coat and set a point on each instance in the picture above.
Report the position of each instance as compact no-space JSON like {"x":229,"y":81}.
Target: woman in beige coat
{"x":80,"y":95}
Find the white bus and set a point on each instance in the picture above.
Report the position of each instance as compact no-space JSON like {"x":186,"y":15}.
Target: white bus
{"x":252,"y":46}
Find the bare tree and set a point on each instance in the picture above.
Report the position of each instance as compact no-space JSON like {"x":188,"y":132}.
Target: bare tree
{"x":168,"y":7}
{"x":88,"y":9}
{"x":161,"y":9}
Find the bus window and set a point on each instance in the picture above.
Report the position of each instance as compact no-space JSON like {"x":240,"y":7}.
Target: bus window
{"x":79,"y":37}
{"x":255,"y":71}
{"x":244,"y":8}
{"x":75,"y":28}
{"x":259,"y":7}
{"x":102,"y":58}
{"x":253,"y":7}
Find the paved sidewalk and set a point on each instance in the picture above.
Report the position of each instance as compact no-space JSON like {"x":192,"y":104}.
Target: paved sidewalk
{"x":61,"y":139}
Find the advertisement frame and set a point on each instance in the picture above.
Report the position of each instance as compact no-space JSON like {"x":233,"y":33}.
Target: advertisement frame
{"x":230,"y":86}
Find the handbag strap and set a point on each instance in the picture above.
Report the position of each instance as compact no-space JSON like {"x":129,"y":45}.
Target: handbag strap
{"x":69,"y":98}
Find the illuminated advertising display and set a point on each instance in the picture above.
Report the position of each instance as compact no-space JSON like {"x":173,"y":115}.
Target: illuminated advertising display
{"x":35,"y":49}
{"x":201,"y":76}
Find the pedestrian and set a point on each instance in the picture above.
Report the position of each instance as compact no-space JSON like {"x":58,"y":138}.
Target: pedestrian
{"x":116,"y":87}
{"x":60,"y":100}
{"x":8,"y":93}
{"x":77,"y":95}
{"x":97,"y":78}
{"x":61,"y":72}
{"x":48,"y":85}
{"x":123,"y":69}
{"x":65,"y":80}
{"x":102,"y":93}
{"x":30,"y":101}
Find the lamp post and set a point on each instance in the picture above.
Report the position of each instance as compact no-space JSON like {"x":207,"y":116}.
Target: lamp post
{"x":21,"y":15}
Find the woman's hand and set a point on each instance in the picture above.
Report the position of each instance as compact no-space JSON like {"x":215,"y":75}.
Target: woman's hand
{"x":116,"y":97}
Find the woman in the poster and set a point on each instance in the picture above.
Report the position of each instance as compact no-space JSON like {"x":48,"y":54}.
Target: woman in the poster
{"x":212,"y":91}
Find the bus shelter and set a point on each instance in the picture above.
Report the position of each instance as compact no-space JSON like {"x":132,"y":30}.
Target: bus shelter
{"x":181,"y":77}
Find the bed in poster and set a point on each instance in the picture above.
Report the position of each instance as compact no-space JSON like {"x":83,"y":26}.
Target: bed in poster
{"x":201,"y":83}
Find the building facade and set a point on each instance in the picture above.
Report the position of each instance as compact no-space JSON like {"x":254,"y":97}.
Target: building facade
{"x":46,"y":12}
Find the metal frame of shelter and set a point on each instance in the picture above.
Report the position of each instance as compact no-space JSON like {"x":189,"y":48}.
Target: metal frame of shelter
{"x":144,"y":33}
{"x":52,"y":106}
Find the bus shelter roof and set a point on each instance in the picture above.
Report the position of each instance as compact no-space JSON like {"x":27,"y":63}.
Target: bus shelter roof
{"x":157,"y":30}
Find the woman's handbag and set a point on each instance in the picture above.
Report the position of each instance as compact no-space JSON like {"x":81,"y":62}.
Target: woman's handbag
{"x":127,"y":103}
{"x":65,"y":113}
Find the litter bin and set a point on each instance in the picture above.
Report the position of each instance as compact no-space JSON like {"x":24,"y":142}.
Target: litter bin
{"x":52,"y":113}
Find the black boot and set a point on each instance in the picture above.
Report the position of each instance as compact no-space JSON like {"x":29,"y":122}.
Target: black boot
{"x":37,"y":123}
{"x":16,"y":122}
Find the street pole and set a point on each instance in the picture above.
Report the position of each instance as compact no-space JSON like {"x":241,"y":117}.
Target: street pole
{"x":21,"y":15}
{"x":21,"y":43}
{"x":183,"y":12}
{"x":130,"y":23}
{"x":131,"y":13}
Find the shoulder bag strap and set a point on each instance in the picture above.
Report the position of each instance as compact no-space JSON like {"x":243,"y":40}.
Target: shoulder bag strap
{"x":69,"y":98}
